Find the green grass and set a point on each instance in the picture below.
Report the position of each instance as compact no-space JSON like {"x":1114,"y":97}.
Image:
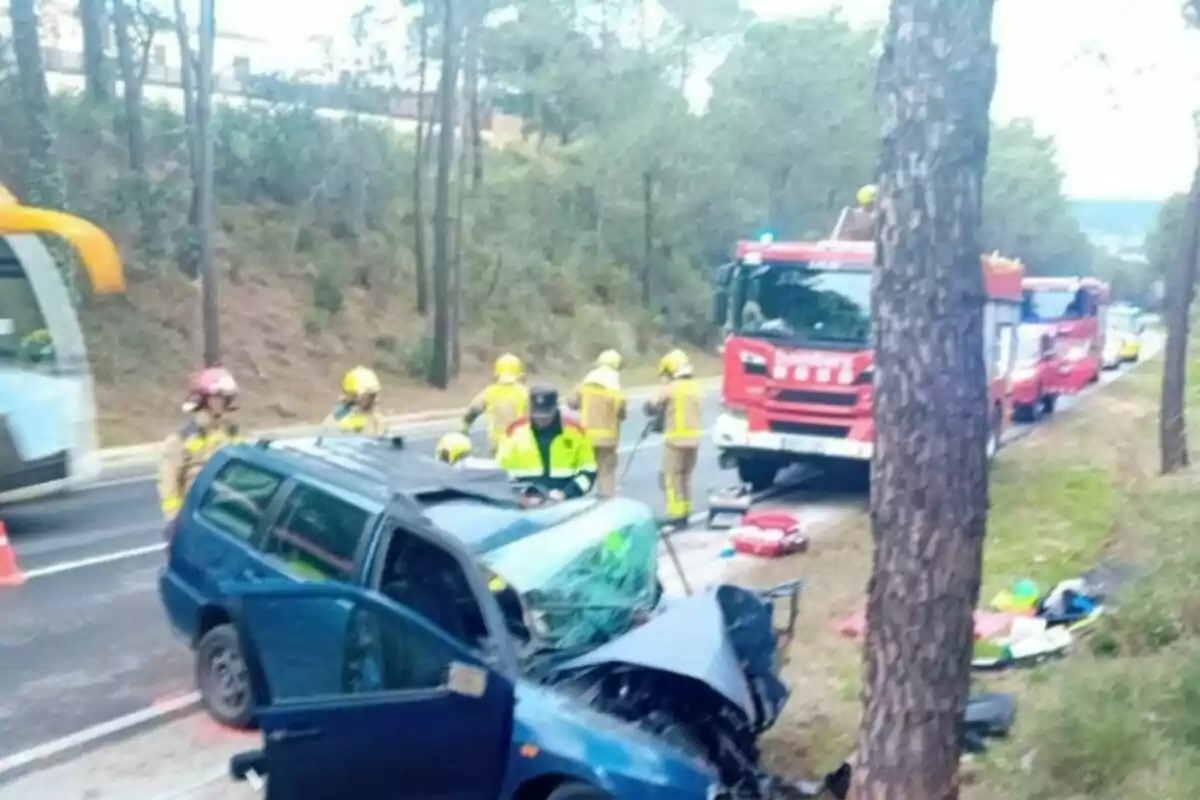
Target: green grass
{"x":1119,"y":719}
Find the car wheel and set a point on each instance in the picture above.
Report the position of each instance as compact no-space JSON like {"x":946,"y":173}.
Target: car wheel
{"x":578,"y":791}
{"x":222,"y":678}
{"x":1024,"y":413}
{"x":1048,"y":404}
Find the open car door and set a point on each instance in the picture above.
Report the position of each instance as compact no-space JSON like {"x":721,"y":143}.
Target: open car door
{"x":400,"y":709}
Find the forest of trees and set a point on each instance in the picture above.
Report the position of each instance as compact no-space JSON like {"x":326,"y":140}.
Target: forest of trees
{"x":619,"y":197}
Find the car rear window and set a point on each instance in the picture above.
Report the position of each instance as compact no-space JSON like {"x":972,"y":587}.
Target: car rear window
{"x":238,"y":497}
{"x":317,"y":534}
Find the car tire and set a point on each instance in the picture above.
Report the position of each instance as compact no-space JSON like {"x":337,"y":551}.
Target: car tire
{"x":758,"y":473}
{"x":222,"y":678}
{"x":578,"y":791}
{"x":1024,"y":413}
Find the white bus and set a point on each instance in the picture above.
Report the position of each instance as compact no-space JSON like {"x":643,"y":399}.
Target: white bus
{"x":48,"y":439}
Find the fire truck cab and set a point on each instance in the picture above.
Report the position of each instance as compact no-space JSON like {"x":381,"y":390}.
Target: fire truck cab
{"x":798,"y":363}
{"x":1077,"y":310}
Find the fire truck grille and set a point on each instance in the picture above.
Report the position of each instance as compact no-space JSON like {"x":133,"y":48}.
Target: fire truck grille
{"x":811,"y":429}
{"x":843,"y":399}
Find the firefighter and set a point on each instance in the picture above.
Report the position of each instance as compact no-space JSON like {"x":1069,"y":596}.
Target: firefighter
{"x":212,"y":395}
{"x":456,"y":449}
{"x":355,"y":411}
{"x":859,"y":223}
{"x":676,"y":412}
{"x":548,"y":452}
{"x":504,"y":402}
{"x":601,"y":406}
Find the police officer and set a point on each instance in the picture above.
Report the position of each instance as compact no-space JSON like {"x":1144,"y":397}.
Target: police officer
{"x":503,"y":402}
{"x":212,"y":395}
{"x":547,"y":451}
{"x":355,"y":411}
{"x":676,"y":412}
{"x":601,"y":406}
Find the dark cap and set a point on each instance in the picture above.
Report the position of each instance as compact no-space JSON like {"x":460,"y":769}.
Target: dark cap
{"x":543,"y":398}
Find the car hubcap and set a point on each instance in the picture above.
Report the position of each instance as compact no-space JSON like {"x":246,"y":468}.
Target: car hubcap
{"x":227,"y":680}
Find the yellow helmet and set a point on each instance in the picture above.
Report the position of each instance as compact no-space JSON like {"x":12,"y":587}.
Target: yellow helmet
{"x":610,"y":359}
{"x":866,"y":195}
{"x":673,"y":363}
{"x":509,"y":368}
{"x":453,"y":447}
{"x":360,"y":382}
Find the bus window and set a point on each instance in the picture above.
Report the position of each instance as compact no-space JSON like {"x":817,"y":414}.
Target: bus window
{"x":24,"y":337}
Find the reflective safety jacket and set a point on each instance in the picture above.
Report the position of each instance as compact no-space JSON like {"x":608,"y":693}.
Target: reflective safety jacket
{"x":677,"y":405}
{"x":184,"y":455}
{"x":349,"y":418}
{"x":601,"y":410}
{"x":559,"y":456}
{"x":503,"y":404}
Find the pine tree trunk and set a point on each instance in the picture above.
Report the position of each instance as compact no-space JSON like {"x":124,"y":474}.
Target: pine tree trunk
{"x":135,"y":127}
{"x":1181,"y":291}
{"x":474,"y":143}
{"x":188,"y":251}
{"x":929,"y":481}
{"x":419,"y":171}
{"x":647,"y":235}
{"x":439,"y":367}
{"x":97,"y":71}
{"x":42,"y":179}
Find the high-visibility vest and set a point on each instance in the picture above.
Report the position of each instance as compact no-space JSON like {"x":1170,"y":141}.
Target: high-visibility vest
{"x":183,"y":458}
{"x":571,"y":456}
{"x":351,"y":419}
{"x":600,"y":413}
{"x":504,"y":404}
{"x":682,"y":425}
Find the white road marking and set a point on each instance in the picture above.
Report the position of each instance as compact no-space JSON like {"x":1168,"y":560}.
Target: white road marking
{"x":104,"y":558}
{"x":96,"y":732}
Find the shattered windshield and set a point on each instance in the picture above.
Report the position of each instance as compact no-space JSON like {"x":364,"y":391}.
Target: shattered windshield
{"x":801,"y":304}
{"x":586,"y":580}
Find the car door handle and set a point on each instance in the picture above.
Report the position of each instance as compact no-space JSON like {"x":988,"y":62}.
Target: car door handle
{"x":293,"y":734}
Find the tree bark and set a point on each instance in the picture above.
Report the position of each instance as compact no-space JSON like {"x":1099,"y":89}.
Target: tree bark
{"x":1181,"y":291}
{"x":419,"y":170}
{"x":132,"y":77}
{"x":97,"y":71}
{"x":439,"y":367}
{"x":473,"y":143}
{"x":929,"y":481}
{"x":210,"y":309}
{"x":189,"y":260}
{"x":43,"y":182}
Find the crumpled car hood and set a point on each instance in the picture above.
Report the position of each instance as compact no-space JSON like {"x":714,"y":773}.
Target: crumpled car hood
{"x":698,"y":675}
{"x":722,"y":639}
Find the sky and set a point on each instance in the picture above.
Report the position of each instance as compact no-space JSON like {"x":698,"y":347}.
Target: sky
{"x":1114,"y":81}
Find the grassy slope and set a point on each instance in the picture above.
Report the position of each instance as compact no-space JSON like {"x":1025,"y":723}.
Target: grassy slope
{"x":1121,"y":717}
{"x":289,"y":356}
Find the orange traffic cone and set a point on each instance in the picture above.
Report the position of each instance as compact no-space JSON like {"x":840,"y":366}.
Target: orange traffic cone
{"x":10,"y":573}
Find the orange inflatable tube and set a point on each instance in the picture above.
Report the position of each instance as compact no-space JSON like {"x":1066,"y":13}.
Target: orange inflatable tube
{"x":94,"y":247}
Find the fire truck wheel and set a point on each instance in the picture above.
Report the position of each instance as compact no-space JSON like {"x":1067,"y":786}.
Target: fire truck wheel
{"x":994,"y":437}
{"x":1023,"y":412}
{"x":759,"y":473}
{"x":1048,"y":404}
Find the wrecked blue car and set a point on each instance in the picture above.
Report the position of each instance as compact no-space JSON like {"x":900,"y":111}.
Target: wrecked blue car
{"x":544,"y":665}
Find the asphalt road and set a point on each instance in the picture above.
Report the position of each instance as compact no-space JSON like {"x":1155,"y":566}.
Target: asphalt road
{"x":89,"y":643}
{"x":85,"y":640}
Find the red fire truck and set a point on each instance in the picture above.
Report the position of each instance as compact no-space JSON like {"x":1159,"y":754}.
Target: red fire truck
{"x":798,"y":374}
{"x":1077,"y":310}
